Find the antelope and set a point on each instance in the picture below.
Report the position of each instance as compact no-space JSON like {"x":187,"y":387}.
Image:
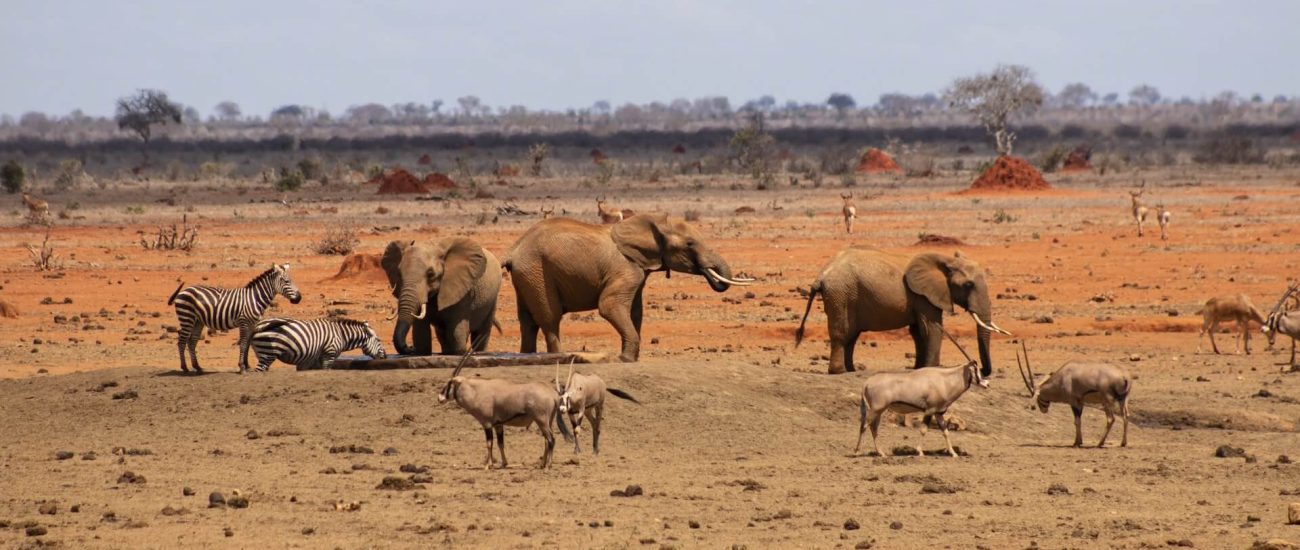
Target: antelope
{"x":547,"y":212}
{"x":1228,"y":308}
{"x":36,"y":208}
{"x":608,"y":214}
{"x":1139,"y":206}
{"x":1077,"y":384}
{"x":850,"y":211}
{"x":1163,"y":216}
{"x":583,"y":396}
{"x":496,"y":404}
{"x":929,"y":390}
{"x":1286,"y":321}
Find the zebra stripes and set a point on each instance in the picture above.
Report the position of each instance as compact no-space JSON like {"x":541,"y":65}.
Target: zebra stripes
{"x":224,"y":309}
{"x":313,"y":343}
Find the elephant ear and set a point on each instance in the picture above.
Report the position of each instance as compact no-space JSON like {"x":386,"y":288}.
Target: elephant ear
{"x":463,"y":265}
{"x":392,"y":262}
{"x":641,"y":240}
{"x":927,"y":275}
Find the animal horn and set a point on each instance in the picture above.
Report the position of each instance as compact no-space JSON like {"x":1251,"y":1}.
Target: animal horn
{"x":569,"y":381}
{"x":732,"y":282}
{"x":557,"y":377}
{"x":958,"y":344}
{"x":1027,"y":378}
{"x":1028,"y":368}
{"x":463,"y":360}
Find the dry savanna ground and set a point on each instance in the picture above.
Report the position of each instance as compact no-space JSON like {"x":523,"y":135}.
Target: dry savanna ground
{"x":742,"y":440}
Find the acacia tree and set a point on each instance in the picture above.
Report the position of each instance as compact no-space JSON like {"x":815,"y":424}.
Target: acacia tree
{"x":995,"y":97}
{"x":144,"y":110}
{"x":841,"y":103}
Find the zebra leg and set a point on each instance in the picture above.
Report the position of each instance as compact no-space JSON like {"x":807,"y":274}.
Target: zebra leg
{"x":245,"y":339}
{"x":196,"y":334}
{"x":182,"y":340}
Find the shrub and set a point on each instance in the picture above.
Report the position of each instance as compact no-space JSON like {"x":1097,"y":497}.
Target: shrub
{"x":69,"y":176}
{"x":289,"y":180}
{"x":1229,"y":149}
{"x":310,"y":168}
{"x":339,"y":241}
{"x":1052,"y":158}
{"x":13,"y":176}
{"x":537,"y":155}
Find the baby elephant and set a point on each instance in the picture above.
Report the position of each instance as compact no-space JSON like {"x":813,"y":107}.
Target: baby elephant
{"x":312,"y":344}
{"x":583,"y":395}
{"x":1078,"y":383}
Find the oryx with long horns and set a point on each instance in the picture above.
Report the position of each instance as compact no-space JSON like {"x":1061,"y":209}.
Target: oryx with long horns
{"x":496,"y":404}
{"x":1077,"y":384}
{"x":583,"y":396}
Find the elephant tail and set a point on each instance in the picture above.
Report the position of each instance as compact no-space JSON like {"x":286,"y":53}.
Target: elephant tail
{"x":497,"y":324}
{"x":812,"y":295}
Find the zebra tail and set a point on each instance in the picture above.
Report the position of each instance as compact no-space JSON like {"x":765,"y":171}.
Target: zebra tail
{"x":172,"y":298}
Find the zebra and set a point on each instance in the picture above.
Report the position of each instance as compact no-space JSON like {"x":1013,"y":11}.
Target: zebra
{"x":313,"y":343}
{"x":226,"y":308}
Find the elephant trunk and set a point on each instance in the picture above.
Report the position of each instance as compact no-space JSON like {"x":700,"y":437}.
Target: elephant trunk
{"x":406,"y":314}
{"x":986,"y":359}
{"x":716,"y":272}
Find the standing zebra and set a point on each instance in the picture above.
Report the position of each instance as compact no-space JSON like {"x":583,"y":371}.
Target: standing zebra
{"x":312,"y":344}
{"x":226,"y":308}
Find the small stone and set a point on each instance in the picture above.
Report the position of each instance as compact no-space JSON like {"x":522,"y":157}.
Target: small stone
{"x":896,"y":525}
{"x":1228,"y":451}
{"x":390,"y":451}
{"x":228,"y":532}
{"x":216,"y":500}
{"x":237,"y":501}
{"x":593,"y":524}
{"x":1293,"y":514}
{"x":186,"y":491}
{"x":308,"y":530}
{"x":609,"y":523}
{"x":63,"y":455}
{"x":1058,"y":489}
{"x":633,"y":491}
{"x":75,"y":508}
{"x":1183,"y":543}
{"x":48,"y":508}
{"x":37,"y":531}
{"x":252,"y":434}
{"x":130,"y":477}
{"x":851,"y":525}
{"x":88,"y":455}
{"x":693,"y":524}
{"x":1283,"y":459}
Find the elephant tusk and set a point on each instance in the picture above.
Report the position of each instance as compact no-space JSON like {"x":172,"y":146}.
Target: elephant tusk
{"x":987,"y":326}
{"x":391,"y":316}
{"x":999,"y":329}
{"x":719,"y":277}
{"x":425,"y":306}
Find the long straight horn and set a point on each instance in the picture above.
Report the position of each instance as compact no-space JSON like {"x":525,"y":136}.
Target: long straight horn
{"x":955,"y":343}
{"x":1028,"y":379}
{"x":569,"y":381}
{"x":557,"y":377}
{"x":1027,"y":367}
{"x":463,"y":360}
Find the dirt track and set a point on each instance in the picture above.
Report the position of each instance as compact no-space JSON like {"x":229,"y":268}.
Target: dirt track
{"x":740,"y":433}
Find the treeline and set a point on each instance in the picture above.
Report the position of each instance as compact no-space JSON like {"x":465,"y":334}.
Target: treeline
{"x":704,"y":139}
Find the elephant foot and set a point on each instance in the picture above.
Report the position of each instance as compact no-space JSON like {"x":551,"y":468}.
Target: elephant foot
{"x":625,"y":358}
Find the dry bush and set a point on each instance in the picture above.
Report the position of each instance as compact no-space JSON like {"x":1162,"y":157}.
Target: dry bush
{"x":339,"y":241}
{"x":1229,"y":149}
{"x":45,"y":259}
{"x":692,"y":215}
{"x":918,"y":164}
{"x":173,"y":238}
{"x":1052,"y":159}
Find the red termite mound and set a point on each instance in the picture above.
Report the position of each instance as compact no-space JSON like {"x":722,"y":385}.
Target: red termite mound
{"x":875,"y":161}
{"x":1079,"y":160}
{"x":438,"y":180}
{"x":398,"y":181}
{"x":360,"y":266}
{"x":425,"y":160}
{"x":597,"y":156}
{"x":1009,"y":173}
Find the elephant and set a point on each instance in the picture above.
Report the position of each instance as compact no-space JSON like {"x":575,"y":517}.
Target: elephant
{"x":867,"y":289}
{"x":455,"y":278}
{"x":561,"y":265}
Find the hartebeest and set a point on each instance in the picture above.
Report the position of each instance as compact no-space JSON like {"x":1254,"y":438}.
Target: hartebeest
{"x":1076,"y":384}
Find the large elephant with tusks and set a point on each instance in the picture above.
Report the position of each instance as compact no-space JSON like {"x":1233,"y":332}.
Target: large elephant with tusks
{"x":448,"y":287}
{"x":562,"y":265}
{"x":867,"y":289}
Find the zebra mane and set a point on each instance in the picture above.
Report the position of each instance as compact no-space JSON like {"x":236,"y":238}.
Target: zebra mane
{"x":349,"y":322}
{"x":264,"y":276}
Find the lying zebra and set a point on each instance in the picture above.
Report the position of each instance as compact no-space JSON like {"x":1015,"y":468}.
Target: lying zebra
{"x":227,"y":308}
{"x":312,"y":344}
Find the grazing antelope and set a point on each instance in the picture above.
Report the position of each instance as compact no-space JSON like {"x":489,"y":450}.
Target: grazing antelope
{"x":547,"y":212}
{"x":1163,"y":216}
{"x":850,"y":211}
{"x":1228,"y":308}
{"x":608,"y":214}
{"x":36,"y":208}
{"x":496,"y":404}
{"x":583,"y":396}
{"x":1076,"y":384}
{"x":1139,"y":206}
{"x":1285,"y":320}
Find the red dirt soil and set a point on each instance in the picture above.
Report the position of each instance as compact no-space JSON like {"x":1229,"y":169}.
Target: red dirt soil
{"x":399,"y":181}
{"x":1010,"y":173}
{"x":875,"y":161}
{"x":359,"y":266}
{"x":438,"y":180}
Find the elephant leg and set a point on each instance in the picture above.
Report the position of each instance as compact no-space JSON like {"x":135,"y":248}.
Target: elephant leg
{"x":457,"y":335}
{"x":637,"y":309}
{"x":850,"y":346}
{"x":928,"y":342}
{"x":482,"y":337}
{"x":527,"y":327}
{"x":616,"y":308}
{"x":843,"y":338}
{"x":422,"y":337}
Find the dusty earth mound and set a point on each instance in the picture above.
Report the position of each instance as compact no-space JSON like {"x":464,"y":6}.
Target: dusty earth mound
{"x":1010,"y":173}
{"x":7,"y":310}
{"x":438,"y":180}
{"x":1079,"y":160}
{"x":875,"y":161}
{"x":679,"y":149}
{"x":597,"y":156}
{"x":399,"y":181}
{"x":425,"y":160}
{"x":357,"y":266}
{"x":931,"y":239}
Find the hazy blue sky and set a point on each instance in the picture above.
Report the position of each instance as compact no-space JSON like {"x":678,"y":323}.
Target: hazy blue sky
{"x":57,"y":55}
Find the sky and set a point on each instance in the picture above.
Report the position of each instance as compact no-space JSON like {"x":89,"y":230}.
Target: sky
{"x":60,"y":55}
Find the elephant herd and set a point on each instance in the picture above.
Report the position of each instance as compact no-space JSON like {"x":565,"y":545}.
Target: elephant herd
{"x":449,"y":288}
